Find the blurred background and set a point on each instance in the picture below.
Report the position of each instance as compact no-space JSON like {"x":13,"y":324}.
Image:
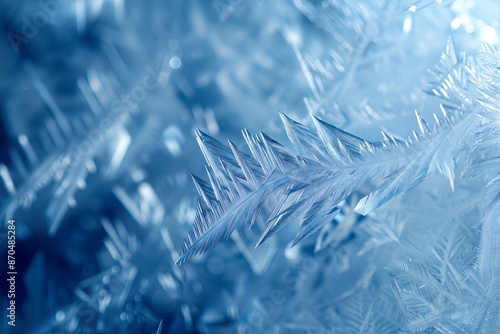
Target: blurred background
{"x":99,"y":101}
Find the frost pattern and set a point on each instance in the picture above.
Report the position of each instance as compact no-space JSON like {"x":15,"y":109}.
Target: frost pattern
{"x":309,"y":182}
{"x":393,"y":233}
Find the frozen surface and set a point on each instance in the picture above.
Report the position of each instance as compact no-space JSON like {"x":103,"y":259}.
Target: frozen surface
{"x":367,"y":173}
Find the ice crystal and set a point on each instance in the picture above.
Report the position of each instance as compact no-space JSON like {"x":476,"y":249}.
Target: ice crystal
{"x":327,"y":164}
